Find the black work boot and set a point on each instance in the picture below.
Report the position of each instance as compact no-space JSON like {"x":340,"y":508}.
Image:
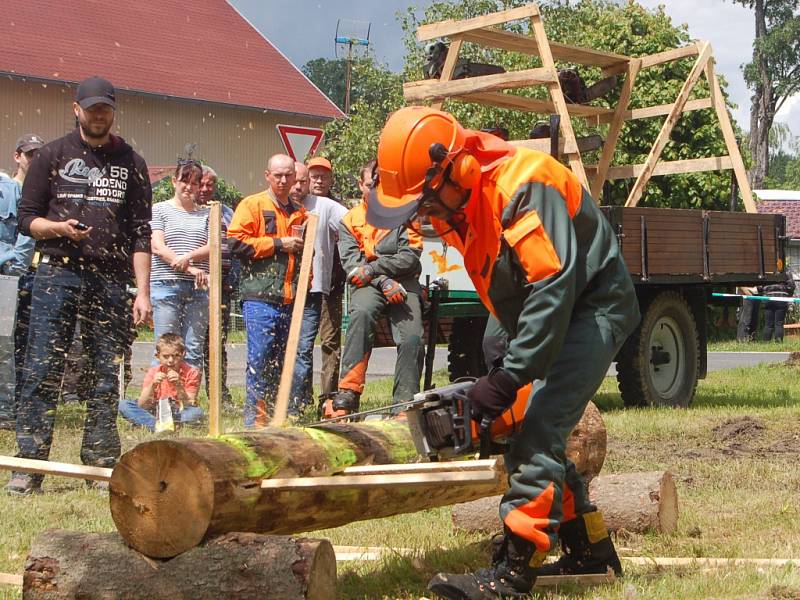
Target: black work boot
{"x":510,"y":575}
{"x":587,"y":548}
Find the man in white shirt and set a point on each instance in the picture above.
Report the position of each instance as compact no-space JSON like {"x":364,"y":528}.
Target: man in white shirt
{"x":330,"y":214}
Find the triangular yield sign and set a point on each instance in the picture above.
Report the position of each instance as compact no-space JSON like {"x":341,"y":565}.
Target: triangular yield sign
{"x":300,"y":142}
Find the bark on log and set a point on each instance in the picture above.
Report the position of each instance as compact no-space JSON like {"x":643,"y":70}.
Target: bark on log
{"x":167,"y":496}
{"x":100,"y":566}
{"x":635,"y":502}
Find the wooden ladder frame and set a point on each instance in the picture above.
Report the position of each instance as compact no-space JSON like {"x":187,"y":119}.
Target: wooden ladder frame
{"x":488,"y":90}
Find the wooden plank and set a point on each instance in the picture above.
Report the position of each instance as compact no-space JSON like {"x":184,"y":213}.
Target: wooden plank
{"x":358,"y":482}
{"x":672,"y":167}
{"x":452,"y":27}
{"x":10,"y":579}
{"x":214,"y":318}
{"x":669,"y":55}
{"x":46,"y":467}
{"x":433,"y":467}
{"x":557,"y":96}
{"x":449,"y":66}
{"x":658,"y":110}
{"x":607,"y":155}
{"x":665,"y":561}
{"x":543,"y":145}
{"x":290,"y":357}
{"x":436,"y":89}
{"x":730,"y":138}
{"x":525,"y":44}
{"x":501,"y":100}
{"x":669,"y":123}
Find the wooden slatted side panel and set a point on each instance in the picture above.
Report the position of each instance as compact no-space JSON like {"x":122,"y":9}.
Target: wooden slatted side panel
{"x":674,"y":241}
{"x":734,"y":244}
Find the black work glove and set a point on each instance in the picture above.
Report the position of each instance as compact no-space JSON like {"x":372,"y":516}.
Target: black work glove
{"x":492,"y":394}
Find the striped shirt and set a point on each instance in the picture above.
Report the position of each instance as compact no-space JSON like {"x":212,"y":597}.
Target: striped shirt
{"x":183,"y":232}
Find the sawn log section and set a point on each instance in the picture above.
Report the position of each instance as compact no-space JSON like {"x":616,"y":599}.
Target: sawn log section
{"x":167,"y":496}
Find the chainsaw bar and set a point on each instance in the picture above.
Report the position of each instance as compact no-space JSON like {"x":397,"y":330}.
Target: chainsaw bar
{"x":401,"y":405}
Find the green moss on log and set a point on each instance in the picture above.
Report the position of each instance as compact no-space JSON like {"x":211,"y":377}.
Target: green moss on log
{"x":397,"y":434}
{"x":257,"y":467}
{"x":338,"y":450}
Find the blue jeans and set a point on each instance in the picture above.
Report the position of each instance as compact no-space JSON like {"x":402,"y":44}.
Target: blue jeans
{"x":267,"y":328}
{"x":302,"y":384}
{"x":59,"y":294}
{"x":137,"y":415}
{"x":181,"y":309}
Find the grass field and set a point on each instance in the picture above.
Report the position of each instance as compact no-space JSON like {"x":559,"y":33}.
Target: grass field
{"x":734,"y":456}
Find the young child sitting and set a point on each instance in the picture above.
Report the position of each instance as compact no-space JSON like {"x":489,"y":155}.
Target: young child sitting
{"x":173,"y":379}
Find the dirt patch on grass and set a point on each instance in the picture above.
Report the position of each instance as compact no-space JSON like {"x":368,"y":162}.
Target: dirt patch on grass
{"x":740,"y":431}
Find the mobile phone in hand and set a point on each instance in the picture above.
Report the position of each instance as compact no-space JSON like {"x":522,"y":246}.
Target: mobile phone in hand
{"x":81,"y":226}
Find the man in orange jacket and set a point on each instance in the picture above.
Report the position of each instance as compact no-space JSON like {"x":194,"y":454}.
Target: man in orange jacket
{"x":546,"y":264}
{"x":260,"y":236}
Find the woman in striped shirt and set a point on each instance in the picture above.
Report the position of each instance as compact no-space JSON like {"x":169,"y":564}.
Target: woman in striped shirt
{"x":179,"y":264}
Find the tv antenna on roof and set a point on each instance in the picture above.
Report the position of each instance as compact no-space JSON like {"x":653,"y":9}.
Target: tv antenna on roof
{"x":352,"y":39}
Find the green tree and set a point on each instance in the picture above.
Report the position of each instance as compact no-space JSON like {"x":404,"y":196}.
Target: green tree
{"x":329,"y":76}
{"x":773,"y":75}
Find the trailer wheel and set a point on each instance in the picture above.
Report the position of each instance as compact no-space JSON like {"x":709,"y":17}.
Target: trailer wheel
{"x":464,"y":349}
{"x":660,"y":362}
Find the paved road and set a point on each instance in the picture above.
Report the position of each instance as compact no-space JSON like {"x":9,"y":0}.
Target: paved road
{"x":382,"y":363}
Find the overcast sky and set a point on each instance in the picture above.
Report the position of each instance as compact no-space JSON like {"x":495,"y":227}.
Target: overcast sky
{"x":307,"y":31}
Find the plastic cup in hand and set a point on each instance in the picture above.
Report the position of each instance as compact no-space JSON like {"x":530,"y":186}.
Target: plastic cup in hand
{"x":297,"y":231}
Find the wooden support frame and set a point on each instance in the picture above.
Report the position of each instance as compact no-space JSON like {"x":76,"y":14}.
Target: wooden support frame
{"x":46,"y":467}
{"x":386,"y":480}
{"x":669,"y":124}
{"x":494,"y":90}
{"x":290,"y":356}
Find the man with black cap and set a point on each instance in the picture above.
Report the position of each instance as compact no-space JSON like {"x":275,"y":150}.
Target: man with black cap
{"x":86,"y":201}
{"x":16,"y":251}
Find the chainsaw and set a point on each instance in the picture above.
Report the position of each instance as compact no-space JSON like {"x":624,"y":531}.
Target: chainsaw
{"x":442,"y":425}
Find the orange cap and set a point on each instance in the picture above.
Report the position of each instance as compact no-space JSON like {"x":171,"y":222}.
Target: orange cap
{"x":319,"y":161}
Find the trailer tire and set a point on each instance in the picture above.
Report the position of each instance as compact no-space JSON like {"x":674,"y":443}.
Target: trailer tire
{"x":465,"y":348}
{"x":659,"y":363}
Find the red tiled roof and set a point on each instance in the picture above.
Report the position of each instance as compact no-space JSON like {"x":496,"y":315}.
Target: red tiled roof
{"x":158,"y":173}
{"x":202,"y":50}
{"x":790,"y":208}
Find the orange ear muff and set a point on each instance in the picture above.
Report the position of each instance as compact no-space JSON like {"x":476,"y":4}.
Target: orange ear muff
{"x":466,"y":171}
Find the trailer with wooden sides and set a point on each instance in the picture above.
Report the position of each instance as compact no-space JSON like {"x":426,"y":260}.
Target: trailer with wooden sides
{"x":674,"y":256}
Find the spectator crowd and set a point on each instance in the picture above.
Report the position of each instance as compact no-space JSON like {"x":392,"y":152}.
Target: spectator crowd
{"x":89,"y":258}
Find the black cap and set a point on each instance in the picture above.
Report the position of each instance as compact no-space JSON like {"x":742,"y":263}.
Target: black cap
{"x":95,"y":90}
{"x":28,"y":142}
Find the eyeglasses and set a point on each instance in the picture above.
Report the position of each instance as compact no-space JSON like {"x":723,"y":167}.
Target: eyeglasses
{"x":319,"y":176}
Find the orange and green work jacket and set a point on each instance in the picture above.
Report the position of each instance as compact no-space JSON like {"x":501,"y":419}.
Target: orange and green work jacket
{"x":540,"y":254}
{"x":268,"y":273}
{"x":391,"y":253}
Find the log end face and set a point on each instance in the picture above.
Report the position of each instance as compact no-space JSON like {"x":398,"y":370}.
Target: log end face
{"x":161,"y":498}
{"x":668,"y":507}
{"x":317,"y":568}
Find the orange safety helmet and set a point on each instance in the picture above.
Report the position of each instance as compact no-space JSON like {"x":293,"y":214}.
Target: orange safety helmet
{"x":416,"y":147}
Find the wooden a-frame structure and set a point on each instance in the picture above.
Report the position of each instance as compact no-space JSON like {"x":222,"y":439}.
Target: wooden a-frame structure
{"x":488,"y":90}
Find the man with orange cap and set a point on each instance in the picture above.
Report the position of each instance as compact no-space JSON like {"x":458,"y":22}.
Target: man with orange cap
{"x":546,"y":264}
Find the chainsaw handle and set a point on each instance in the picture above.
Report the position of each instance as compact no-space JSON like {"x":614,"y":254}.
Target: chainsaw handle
{"x":485,"y":437}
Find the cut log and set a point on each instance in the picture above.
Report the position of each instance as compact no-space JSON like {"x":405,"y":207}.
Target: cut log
{"x":167,"y":496}
{"x":635,"y":502}
{"x":100,"y":566}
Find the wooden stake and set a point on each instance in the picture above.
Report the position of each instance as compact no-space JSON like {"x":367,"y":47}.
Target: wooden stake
{"x":730,"y":138}
{"x":433,"y":467}
{"x":669,"y":123}
{"x":449,"y":65}
{"x":46,"y":467}
{"x":360,"y":482}
{"x":290,"y":357}
{"x":214,"y":318}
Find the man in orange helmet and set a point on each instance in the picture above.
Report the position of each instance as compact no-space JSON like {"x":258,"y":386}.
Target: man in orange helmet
{"x":546,"y":264}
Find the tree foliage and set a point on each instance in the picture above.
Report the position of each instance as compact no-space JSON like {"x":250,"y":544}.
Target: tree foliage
{"x":774,"y":73}
{"x":603,"y":24}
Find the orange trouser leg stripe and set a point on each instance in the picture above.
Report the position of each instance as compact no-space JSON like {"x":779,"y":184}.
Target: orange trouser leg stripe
{"x":355,"y":377}
{"x":531,"y":520}
{"x":567,"y":503}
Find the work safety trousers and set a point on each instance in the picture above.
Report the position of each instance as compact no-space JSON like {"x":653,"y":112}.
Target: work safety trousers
{"x":367,"y":305}
{"x":545,"y":489}
{"x":330,"y":337}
